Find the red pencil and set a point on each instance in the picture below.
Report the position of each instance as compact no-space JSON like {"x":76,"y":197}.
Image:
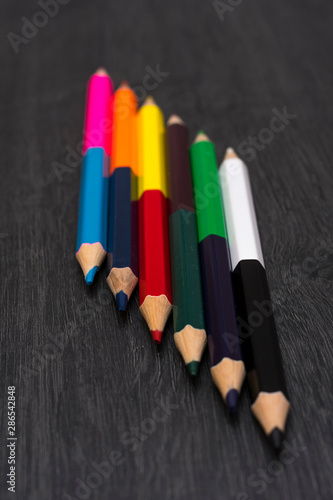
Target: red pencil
{"x":154,"y":256}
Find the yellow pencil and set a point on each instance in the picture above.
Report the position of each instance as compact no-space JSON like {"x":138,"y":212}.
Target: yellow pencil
{"x":154,"y":257}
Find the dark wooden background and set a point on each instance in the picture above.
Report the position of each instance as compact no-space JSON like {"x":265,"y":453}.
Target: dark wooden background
{"x":82,"y":379}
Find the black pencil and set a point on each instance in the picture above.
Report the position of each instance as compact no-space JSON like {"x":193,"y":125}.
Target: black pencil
{"x":260,"y":345}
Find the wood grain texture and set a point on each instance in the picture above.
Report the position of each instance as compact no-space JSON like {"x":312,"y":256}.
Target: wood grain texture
{"x":104,"y":376}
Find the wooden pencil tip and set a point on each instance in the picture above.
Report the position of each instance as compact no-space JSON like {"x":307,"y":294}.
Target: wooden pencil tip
{"x":201,"y":137}
{"x":149,"y":100}
{"x":124,"y":85}
{"x":101,"y":72}
{"x":175,"y":120}
{"x":230,"y":153}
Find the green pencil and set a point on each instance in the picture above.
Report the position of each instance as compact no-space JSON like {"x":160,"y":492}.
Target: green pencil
{"x":188,"y":314}
{"x":227,"y":369}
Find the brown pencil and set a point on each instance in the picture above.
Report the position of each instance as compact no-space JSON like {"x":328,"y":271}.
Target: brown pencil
{"x":188,"y":314}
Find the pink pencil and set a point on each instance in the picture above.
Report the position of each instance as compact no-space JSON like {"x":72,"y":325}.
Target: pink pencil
{"x":94,"y":191}
{"x":98,"y":120}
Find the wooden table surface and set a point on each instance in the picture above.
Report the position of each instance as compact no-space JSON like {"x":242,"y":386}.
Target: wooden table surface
{"x":89,"y":380}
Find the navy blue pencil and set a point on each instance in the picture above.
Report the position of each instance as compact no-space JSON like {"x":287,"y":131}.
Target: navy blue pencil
{"x":122,"y":257}
{"x":228,"y":370}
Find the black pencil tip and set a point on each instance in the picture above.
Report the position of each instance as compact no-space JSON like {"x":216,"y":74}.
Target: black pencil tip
{"x":232,"y":401}
{"x":276,"y":438}
{"x":121,"y":299}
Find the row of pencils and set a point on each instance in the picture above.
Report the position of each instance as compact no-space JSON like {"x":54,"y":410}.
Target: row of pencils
{"x":164,"y":215}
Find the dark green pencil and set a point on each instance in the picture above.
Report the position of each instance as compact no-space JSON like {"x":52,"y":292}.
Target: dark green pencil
{"x":188,"y":314}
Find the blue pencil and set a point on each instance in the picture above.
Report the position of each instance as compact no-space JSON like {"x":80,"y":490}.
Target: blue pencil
{"x":122,"y":258}
{"x":92,"y":224}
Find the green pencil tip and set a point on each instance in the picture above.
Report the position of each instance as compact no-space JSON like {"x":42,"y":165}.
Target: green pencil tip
{"x":193,"y":367}
{"x":201,"y":132}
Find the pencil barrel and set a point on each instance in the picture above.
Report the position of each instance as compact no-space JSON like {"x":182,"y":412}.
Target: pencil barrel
{"x":258,"y":333}
{"x":220,"y":312}
{"x":206,"y":190}
{"x":179,"y":170}
{"x":154,"y":253}
{"x":99,"y":114}
{"x":123,"y":232}
{"x":92,"y":225}
{"x":239,"y":211}
{"x":185,"y":268}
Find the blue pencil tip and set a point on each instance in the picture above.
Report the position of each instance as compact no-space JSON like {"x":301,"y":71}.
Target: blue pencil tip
{"x":121,"y":299}
{"x":91,"y":275}
{"x":232,"y":401}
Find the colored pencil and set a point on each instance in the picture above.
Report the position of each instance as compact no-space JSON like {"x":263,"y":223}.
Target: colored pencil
{"x":93,"y":207}
{"x":122,"y":258}
{"x":154,"y":254}
{"x":188,"y":314}
{"x":260,"y":345}
{"x":227,"y":369}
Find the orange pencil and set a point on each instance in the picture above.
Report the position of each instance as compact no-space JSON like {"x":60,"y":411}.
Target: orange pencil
{"x":122,"y":257}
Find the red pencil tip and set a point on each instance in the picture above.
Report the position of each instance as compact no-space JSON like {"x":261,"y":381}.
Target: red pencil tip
{"x":157,"y":336}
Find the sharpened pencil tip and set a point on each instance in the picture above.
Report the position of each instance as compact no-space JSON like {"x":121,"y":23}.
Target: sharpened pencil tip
{"x":121,"y":300}
{"x":124,"y":85}
{"x":149,"y":100}
{"x":175,"y":120}
{"x":201,"y":137}
{"x":276,"y":438}
{"x":232,"y":401}
{"x":91,"y":275}
{"x":193,"y":367}
{"x":230,"y":153}
{"x":157,"y":336}
{"x":101,"y":72}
